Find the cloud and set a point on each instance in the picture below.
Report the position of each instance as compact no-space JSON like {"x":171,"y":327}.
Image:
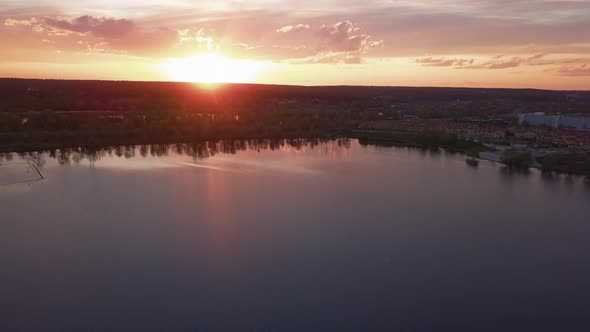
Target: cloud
{"x":331,"y":58}
{"x":410,"y":28}
{"x":499,"y":62}
{"x":341,"y":42}
{"x":443,"y":62}
{"x":582,"y":70}
{"x":98,"y":26}
{"x":293,"y":28}
{"x":9,"y":22}
{"x":574,"y":67}
{"x":91,"y":34}
{"x":320,"y":31}
{"x":559,"y":61}
{"x":154,"y":41}
{"x":496,"y":62}
{"x":340,"y":37}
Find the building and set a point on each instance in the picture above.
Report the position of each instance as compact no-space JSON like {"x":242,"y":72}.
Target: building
{"x":538,"y":119}
{"x":554,"y":121}
{"x":576,"y":122}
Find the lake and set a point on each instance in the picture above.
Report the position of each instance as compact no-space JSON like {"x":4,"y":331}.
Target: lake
{"x":289,"y":236}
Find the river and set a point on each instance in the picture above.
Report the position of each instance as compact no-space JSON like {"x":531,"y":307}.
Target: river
{"x":320,"y":236}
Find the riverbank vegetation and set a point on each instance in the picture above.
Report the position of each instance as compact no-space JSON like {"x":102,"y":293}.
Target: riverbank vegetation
{"x":427,"y":139}
{"x":47,"y":129}
{"x":516,"y":159}
{"x":50,"y":130}
{"x":574,"y":163}
{"x":569,"y":163}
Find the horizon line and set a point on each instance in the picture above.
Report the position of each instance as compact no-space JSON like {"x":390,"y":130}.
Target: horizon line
{"x":293,"y":85}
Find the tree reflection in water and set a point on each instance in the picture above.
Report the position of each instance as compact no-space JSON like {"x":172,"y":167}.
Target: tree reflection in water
{"x":198,"y":150}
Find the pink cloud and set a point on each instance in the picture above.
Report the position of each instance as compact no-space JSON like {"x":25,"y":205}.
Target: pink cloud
{"x":443,"y":62}
{"x":98,"y":26}
{"x":10,"y":22}
{"x":582,"y":70}
{"x":339,"y":43}
{"x":496,"y":62}
{"x":340,"y":37}
{"x":95,"y":35}
{"x":293,"y":28}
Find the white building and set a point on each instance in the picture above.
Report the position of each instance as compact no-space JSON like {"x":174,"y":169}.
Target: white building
{"x":554,"y":121}
{"x":577,"y":122}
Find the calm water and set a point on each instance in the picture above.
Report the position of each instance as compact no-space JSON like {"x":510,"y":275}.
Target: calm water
{"x":338,"y":237}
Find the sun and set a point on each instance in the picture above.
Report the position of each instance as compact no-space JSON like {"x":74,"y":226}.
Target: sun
{"x":213,"y":68}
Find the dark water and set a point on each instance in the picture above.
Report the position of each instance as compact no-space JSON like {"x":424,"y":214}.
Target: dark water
{"x":336,"y":237}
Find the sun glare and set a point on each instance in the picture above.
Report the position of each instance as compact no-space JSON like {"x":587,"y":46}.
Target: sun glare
{"x":213,"y":68}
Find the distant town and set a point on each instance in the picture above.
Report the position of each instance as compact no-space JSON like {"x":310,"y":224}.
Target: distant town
{"x":527,"y":130}
{"x":537,"y":136}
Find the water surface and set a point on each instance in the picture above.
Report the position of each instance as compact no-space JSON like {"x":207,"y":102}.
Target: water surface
{"x":290,"y":237}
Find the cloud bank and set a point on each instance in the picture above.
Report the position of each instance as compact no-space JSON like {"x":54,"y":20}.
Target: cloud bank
{"x":550,"y":37}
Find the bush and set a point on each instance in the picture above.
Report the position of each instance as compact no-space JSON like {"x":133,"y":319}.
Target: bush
{"x":569,"y":163}
{"x":516,"y":159}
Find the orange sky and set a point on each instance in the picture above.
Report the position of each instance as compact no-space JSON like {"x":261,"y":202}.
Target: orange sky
{"x":485,"y":43}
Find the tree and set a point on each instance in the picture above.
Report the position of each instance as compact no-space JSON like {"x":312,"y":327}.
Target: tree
{"x":516,"y":159}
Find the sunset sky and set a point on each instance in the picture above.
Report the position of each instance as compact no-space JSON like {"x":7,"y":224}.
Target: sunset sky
{"x":483,"y":43}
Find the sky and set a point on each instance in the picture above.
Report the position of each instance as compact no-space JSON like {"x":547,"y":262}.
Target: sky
{"x":473,"y":43}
